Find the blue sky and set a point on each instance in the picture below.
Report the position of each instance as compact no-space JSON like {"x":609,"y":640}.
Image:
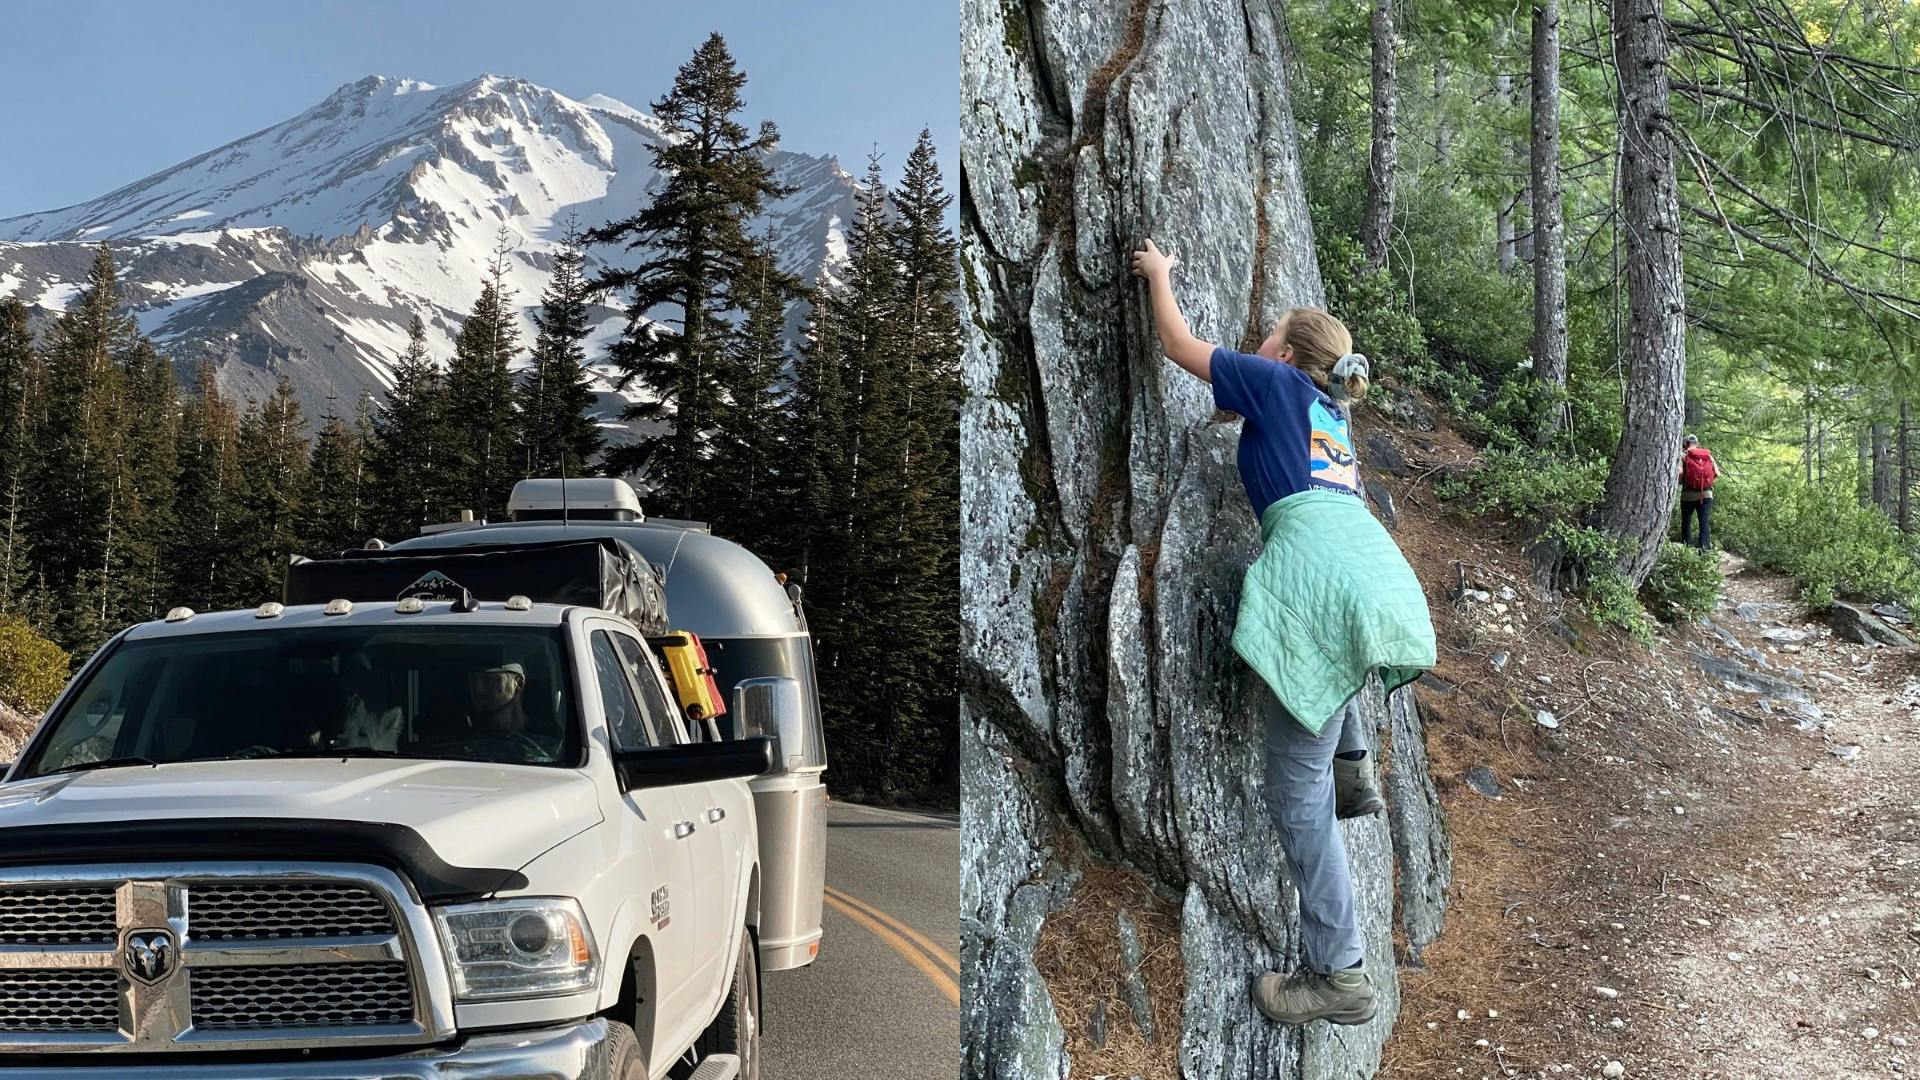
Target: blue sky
{"x":101,"y":93}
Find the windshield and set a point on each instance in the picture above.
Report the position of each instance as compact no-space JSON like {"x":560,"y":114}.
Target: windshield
{"x":468,"y":693}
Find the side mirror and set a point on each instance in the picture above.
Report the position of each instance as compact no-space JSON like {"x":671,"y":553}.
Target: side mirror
{"x":692,"y":763}
{"x":773,"y":706}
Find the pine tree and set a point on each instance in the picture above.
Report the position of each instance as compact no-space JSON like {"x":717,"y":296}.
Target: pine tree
{"x":742,"y":478}
{"x":859,"y":574}
{"x":930,"y":523}
{"x":407,"y":457}
{"x":819,"y":486}
{"x":201,"y":545}
{"x":694,"y":239}
{"x":557,"y":437}
{"x":1642,"y":482}
{"x":273,"y":476}
{"x":143,"y":577}
{"x":479,"y":419}
{"x":74,"y":480}
{"x":332,"y":514}
{"x":20,"y":378}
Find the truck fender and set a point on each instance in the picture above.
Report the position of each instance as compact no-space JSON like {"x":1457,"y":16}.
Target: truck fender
{"x":623,"y":937}
{"x":638,"y":995}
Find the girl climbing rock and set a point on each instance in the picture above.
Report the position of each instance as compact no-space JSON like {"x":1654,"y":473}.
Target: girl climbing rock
{"x":1329,"y":600}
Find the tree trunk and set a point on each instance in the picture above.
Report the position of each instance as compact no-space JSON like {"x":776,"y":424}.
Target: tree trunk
{"x":1863,"y":445}
{"x":1503,"y":219}
{"x":1549,"y":248}
{"x":1382,"y":157}
{"x":1442,"y":133}
{"x":1106,"y":721}
{"x":1882,"y":481}
{"x":1905,"y":470}
{"x":1503,"y":237}
{"x":1806,"y":443}
{"x":1645,"y":474}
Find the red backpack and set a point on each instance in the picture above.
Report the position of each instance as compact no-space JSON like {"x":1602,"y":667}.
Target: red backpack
{"x":1698,"y":472}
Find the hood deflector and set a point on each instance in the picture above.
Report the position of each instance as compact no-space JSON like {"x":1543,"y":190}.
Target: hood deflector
{"x":396,"y":847}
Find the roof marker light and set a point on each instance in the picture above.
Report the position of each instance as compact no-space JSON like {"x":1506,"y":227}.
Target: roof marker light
{"x":410,"y":605}
{"x":519,"y":603}
{"x":338,"y":607}
{"x":179,"y":614}
{"x":269,"y":610}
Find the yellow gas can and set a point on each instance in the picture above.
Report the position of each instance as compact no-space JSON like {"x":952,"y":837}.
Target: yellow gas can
{"x":685,"y":661}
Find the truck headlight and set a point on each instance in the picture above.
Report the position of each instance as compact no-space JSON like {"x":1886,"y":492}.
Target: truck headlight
{"x":520,"y":947}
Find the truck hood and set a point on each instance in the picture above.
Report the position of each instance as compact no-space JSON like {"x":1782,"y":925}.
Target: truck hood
{"x":471,"y":813}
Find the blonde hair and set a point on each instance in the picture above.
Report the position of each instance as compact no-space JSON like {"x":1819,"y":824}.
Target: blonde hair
{"x":1319,"y":341}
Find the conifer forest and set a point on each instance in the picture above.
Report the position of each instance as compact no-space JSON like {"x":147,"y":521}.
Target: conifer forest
{"x":1588,"y":229}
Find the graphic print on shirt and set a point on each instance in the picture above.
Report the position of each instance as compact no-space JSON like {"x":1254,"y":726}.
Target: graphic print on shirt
{"x":1330,"y":450}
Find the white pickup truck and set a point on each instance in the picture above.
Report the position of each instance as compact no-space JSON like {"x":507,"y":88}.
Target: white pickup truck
{"x":412,"y":838}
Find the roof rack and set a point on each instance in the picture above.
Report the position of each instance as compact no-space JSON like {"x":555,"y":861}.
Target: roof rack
{"x":600,"y":572}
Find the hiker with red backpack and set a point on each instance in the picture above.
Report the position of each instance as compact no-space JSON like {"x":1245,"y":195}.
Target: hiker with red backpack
{"x":1697,"y":474}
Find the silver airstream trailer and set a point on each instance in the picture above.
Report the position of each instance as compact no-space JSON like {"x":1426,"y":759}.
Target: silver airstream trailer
{"x":756,"y":640}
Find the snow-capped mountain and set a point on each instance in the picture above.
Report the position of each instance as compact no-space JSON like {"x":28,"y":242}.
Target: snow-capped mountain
{"x":304,"y":249}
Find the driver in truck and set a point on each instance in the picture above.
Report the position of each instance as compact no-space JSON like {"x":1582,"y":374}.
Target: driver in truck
{"x":493,"y":698}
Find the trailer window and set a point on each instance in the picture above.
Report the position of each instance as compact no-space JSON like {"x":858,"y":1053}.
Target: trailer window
{"x":735,"y":659}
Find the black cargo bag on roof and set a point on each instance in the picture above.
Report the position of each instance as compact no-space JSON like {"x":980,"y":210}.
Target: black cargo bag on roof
{"x":601,"y":572}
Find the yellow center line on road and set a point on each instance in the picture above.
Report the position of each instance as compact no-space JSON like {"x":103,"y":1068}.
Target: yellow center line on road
{"x":944,"y":956}
{"x":929,"y":959}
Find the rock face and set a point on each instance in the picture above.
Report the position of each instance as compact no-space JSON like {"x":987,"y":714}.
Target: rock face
{"x":1106,"y":533}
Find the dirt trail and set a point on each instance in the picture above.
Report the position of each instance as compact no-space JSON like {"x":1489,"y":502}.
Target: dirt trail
{"x":1691,"y":880}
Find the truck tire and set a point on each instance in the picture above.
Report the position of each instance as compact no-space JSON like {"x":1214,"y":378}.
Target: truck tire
{"x":737,"y":1029}
{"x":620,"y":1057}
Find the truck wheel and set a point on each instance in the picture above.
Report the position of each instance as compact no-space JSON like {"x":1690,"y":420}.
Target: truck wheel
{"x":620,"y":1057}
{"x":737,"y":1029}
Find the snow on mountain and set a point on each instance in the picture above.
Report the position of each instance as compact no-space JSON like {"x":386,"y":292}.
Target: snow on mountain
{"x":305,"y":248}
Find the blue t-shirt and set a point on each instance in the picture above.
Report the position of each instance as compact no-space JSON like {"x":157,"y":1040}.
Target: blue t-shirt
{"x":1294,"y":438}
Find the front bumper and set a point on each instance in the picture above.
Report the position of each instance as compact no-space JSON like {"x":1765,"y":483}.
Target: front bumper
{"x":571,"y":1052}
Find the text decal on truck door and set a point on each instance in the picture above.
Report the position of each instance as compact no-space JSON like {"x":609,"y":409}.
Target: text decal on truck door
{"x":661,"y":908}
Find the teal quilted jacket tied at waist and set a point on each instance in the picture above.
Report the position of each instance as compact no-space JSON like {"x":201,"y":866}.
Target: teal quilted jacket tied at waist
{"x":1329,"y":600}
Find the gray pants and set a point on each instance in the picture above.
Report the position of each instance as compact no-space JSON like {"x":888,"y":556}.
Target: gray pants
{"x":1299,"y":791}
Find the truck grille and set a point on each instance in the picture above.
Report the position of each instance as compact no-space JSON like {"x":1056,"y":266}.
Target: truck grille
{"x":46,"y":1001}
{"x":63,"y":916}
{"x":244,"y":911}
{"x":253,"y":998}
{"x":207,"y":957}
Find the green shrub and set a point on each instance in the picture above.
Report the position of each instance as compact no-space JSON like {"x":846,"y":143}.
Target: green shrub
{"x":32,"y":669}
{"x":1820,"y":536}
{"x":1685,"y":583}
{"x":1589,"y":557}
{"x":1529,"y":485}
{"x":1611,"y":600}
{"x":1370,"y":304}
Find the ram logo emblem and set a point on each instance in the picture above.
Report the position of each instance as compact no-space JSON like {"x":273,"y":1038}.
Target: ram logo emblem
{"x":661,"y":909}
{"x":149,"y":955}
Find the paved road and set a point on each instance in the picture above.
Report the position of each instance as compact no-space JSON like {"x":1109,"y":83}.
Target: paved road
{"x":882,"y":1001}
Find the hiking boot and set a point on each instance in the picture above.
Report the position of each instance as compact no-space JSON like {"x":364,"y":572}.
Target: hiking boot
{"x":1354,"y":792}
{"x":1344,"y":997}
